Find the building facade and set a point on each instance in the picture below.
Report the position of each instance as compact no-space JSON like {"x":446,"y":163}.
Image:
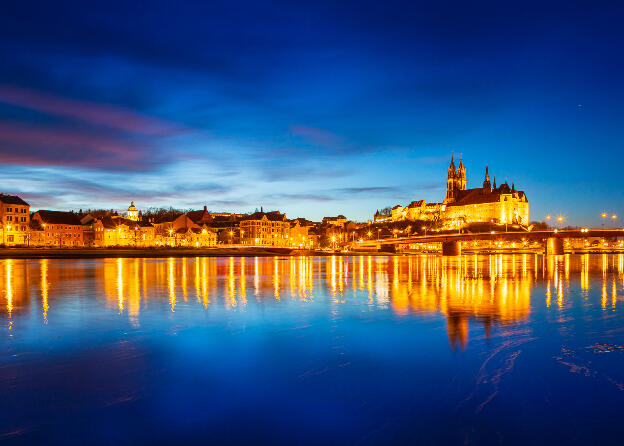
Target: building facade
{"x":14,"y":220}
{"x":56,"y":228}
{"x":265,"y":228}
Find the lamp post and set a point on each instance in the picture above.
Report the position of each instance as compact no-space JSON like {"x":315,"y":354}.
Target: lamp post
{"x":603,"y":215}
{"x":560,"y":220}
{"x":614,"y":217}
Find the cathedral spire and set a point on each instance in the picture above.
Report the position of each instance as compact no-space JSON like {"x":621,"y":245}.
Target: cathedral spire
{"x":486,"y":182}
{"x":494,"y":185}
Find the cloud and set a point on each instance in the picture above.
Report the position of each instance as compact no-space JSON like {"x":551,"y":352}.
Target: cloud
{"x":88,"y":112}
{"x":316,"y":136}
{"x":368,"y":190}
{"x":40,"y":146}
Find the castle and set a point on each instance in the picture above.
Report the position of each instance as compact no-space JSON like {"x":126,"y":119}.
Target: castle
{"x":462,"y":206}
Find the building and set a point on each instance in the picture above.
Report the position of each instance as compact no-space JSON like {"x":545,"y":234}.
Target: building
{"x":335,"y":221}
{"x":15,"y":220}
{"x":56,"y":228}
{"x":118,"y":231}
{"x":300,"y":233}
{"x":462,"y":206}
{"x":265,"y":228}
{"x":132,"y":213}
{"x":189,"y":229}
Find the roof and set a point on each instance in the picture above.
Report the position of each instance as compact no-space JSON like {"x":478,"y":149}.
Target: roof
{"x":199,"y":216}
{"x":12,"y":199}
{"x":479,"y":195}
{"x":111,"y":223}
{"x":168,"y":218}
{"x":302,"y":221}
{"x":271,"y":216}
{"x":59,"y":218}
{"x":416,"y":204}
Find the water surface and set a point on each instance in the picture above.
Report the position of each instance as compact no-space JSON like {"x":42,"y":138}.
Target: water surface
{"x":510,"y":349}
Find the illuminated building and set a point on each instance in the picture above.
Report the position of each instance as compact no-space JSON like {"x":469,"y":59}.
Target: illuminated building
{"x":462,"y":206}
{"x":300,"y":235}
{"x":188,"y":229}
{"x":340,"y":220}
{"x":56,"y":228}
{"x":132,"y":213}
{"x":14,"y":219}
{"x":265,"y":228}
{"x":119,"y":231}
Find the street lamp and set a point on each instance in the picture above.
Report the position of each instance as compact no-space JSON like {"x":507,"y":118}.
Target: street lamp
{"x":560,"y":220}
{"x":614,"y":217}
{"x":603,"y":215}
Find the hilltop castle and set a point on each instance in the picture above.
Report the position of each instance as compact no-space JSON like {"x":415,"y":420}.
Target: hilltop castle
{"x":462,"y":206}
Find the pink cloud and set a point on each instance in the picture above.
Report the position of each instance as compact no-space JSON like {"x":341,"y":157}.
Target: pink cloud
{"x":92,"y":113}
{"x":315,"y":135}
{"x":43,"y":146}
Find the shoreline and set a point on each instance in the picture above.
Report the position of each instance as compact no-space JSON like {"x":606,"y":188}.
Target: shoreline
{"x":103,"y":253}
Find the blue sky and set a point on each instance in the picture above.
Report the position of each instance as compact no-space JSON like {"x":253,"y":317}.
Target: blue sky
{"x":313,"y":108}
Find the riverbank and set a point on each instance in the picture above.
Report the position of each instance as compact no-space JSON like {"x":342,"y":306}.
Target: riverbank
{"x":100,"y":253}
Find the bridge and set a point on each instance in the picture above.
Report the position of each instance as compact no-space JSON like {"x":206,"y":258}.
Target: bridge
{"x":552,"y":239}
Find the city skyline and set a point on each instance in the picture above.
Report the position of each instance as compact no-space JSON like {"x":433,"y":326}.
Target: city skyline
{"x":315,"y":110}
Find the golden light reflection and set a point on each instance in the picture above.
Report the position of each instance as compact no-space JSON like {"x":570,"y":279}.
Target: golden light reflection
{"x":8,"y":289}
{"x":488,"y":291}
{"x":120,"y":298}
{"x":171,"y":285}
{"x":44,"y":289}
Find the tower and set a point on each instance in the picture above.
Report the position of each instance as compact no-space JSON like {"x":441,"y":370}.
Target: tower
{"x":450,"y":181}
{"x":132,"y":213}
{"x":486,"y":183}
{"x":460,"y":180}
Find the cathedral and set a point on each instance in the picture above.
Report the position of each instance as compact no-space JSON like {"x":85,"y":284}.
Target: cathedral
{"x":462,"y":206}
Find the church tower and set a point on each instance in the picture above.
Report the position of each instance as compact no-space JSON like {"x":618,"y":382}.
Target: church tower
{"x":461,"y":176}
{"x":486,"y":183}
{"x":132,"y":213}
{"x":450,"y":181}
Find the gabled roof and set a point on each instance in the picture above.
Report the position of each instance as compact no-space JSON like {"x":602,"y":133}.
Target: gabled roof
{"x":111,"y":223}
{"x":12,"y":199}
{"x":168,"y":218}
{"x":199,"y":216}
{"x":59,"y":218}
{"x":479,"y":195}
{"x":416,"y":204}
{"x":271,"y":216}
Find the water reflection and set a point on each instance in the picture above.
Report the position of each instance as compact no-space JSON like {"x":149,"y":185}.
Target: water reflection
{"x":486,"y":290}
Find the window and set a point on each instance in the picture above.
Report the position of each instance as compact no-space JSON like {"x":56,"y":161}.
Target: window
{"x":10,"y":239}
